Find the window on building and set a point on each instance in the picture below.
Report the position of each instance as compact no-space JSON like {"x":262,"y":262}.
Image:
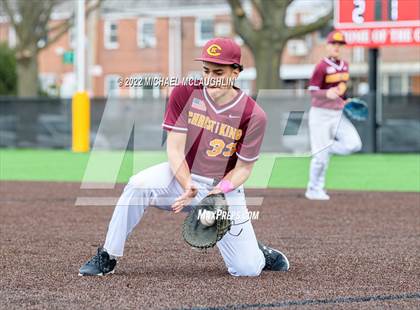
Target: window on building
{"x":111,"y":34}
{"x":145,"y":86}
{"x":297,"y":47}
{"x":135,"y":91}
{"x":414,"y":85}
{"x":48,"y":83}
{"x":223,"y":29}
{"x":395,"y":85}
{"x":358,"y":54}
{"x":204,"y":31}
{"x":112,"y":87}
{"x":146,"y":36}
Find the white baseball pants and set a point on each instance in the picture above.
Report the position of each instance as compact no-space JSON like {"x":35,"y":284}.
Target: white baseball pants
{"x":330,"y":133}
{"x":157,"y":186}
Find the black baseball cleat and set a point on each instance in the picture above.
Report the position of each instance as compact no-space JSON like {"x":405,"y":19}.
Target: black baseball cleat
{"x":100,"y":265}
{"x":274,"y":259}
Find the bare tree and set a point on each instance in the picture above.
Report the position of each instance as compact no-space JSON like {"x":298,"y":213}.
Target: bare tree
{"x":34,"y":32}
{"x":268,"y":39}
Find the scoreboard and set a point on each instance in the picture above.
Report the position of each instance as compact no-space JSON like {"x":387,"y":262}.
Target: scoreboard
{"x":377,"y":23}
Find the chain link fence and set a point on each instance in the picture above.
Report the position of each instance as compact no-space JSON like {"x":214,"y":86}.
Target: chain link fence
{"x":118,"y":123}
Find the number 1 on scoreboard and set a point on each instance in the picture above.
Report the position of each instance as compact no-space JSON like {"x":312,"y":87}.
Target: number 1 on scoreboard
{"x":393,"y":9}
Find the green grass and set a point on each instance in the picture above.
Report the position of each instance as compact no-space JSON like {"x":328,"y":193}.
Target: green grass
{"x":380,"y":172}
{"x":370,"y":172}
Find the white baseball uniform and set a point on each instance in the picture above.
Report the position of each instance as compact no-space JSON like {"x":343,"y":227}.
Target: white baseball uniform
{"x":157,"y":186}
{"x":216,"y":139}
{"x":330,"y":130}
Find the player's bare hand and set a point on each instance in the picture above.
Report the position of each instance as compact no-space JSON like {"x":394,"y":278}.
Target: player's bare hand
{"x":214,"y":191}
{"x":184,"y":199}
{"x":333,"y":93}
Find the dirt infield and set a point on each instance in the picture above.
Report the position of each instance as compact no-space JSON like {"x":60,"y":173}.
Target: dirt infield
{"x":359,"y":250}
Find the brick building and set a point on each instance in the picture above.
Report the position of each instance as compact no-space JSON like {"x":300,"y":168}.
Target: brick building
{"x":161,"y":38}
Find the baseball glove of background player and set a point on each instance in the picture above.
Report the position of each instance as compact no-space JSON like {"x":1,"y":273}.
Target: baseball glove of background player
{"x":356,"y":109}
{"x":200,"y":236}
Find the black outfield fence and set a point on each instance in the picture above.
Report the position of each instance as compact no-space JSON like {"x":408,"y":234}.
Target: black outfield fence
{"x":133,"y":123}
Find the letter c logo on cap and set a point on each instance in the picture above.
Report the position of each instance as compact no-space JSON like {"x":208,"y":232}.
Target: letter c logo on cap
{"x":214,"y":50}
{"x":338,"y":36}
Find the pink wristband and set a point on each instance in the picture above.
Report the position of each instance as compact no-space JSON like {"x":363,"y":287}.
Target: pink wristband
{"x":225,"y":186}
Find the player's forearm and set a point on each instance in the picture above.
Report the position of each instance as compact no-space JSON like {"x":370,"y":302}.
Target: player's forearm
{"x":238,"y":175}
{"x":181,"y":172}
{"x":179,"y":167}
{"x":176,"y":157}
{"x":320,"y":93}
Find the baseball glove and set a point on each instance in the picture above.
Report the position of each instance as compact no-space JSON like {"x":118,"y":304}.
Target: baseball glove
{"x":356,"y":109}
{"x":200,"y":236}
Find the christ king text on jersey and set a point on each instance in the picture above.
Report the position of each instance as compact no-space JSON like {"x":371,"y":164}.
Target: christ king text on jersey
{"x":222,"y":129}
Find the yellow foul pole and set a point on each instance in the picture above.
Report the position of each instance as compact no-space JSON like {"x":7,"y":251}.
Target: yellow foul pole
{"x":80,"y":122}
{"x":80,"y":102}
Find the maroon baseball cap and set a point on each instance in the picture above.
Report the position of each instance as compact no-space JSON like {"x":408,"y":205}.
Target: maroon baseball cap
{"x":336,"y":37}
{"x":222,"y":51}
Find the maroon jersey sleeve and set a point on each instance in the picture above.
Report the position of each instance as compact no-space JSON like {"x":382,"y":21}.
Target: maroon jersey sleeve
{"x":249,"y":146}
{"x":317,"y":78}
{"x":176,"y":112}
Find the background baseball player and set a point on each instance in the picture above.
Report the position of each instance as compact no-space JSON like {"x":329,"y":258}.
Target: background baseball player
{"x":330,"y":131}
{"x":214,"y":138}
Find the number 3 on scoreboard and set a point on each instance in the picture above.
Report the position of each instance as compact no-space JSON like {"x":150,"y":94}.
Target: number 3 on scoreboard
{"x":219,"y":146}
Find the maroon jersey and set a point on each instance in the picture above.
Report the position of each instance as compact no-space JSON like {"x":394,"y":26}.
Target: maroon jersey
{"x":329,"y":73}
{"x":216,"y":135}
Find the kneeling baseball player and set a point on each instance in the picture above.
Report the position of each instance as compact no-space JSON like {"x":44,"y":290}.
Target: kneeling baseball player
{"x":214,"y":136}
